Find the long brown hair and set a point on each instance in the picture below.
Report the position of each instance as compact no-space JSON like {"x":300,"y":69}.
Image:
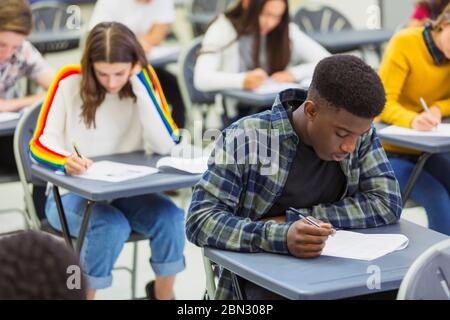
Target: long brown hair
{"x":15,"y":16}
{"x":436,"y":7}
{"x":442,"y":20}
{"x":109,"y":42}
{"x":246,"y":22}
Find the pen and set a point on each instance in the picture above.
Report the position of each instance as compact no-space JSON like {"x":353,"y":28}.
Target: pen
{"x":424,"y":105}
{"x":308,"y":219}
{"x":76,"y":150}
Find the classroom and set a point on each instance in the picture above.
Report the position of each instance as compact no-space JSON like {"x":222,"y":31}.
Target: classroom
{"x":224,"y":150}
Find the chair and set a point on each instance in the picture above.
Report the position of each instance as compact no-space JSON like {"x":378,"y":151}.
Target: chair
{"x":323,"y":19}
{"x":192,"y":97}
{"x":56,"y":27}
{"x":202,"y":12}
{"x":320,"y":19}
{"x":24,"y":133}
{"x":428,"y":278}
{"x":211,"y":273}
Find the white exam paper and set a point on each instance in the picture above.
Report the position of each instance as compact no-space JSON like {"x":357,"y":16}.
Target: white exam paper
{"x":442,"y":130}
{"x":354,"y":245}
{"x":115,"y":171}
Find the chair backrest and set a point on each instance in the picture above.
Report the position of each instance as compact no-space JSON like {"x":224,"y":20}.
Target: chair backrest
{"x":191,"y":96}
{"x":22,"y":136}
{"x":320,"y":19}
{"x":204,"y":6}
{"x":60,"y":18}
{"x":428,"y":278}
{"x":50,"y":15}
{"x":202,"y":12}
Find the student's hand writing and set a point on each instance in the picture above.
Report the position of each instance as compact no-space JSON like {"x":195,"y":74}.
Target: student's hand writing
{"x":307,"y":241}
{"x":253,"y":79}
{"x":426,"y":121}
{"x":436,"y":111}
{"x":283,"y":76}
{"x":5,"y":106}
{"x":76,"y":165}
{"x":145,"y":44}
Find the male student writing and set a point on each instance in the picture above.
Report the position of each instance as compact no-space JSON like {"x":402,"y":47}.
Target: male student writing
{"x":329,"y":165}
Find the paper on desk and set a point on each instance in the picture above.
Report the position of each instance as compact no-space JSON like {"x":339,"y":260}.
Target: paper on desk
{"x":115,"y":171}
{"x":163,"y":51}
{"x":271,"y":86}
{"x":353,"y":245}
{"x":8,"y":116}
{"x":442,"y":130}
{"x":190,"y":165}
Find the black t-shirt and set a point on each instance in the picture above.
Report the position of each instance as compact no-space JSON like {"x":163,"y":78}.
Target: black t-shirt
{"x":311,"y":181}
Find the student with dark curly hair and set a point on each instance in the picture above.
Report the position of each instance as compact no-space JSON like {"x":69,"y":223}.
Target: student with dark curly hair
{"x":325,"y":160}
{"x":36,"y":266}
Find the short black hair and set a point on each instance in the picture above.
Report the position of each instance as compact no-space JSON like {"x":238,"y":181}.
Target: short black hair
{"x":347,"y":82}
{"x":34,"y":266}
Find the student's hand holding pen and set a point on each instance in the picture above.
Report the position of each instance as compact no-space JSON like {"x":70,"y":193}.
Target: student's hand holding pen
{"x":305,"y":240}
{"x":254,"y":78}
{"x":427,"y":120}
{"x":283,"y":76}
{"x":76,"y":164}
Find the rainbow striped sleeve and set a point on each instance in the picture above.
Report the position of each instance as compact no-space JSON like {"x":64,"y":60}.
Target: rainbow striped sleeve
{"x":38,"y":151}
{"x":151,"y":82}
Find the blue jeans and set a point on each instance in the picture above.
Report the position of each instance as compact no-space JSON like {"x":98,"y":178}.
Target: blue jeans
{"x":110,"y":225}
{"x":431,"y":189}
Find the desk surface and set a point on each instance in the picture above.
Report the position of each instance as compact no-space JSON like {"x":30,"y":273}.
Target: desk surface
{"x":347,"y":40}
{"x":423,"y":144}
{"x":250,"y":98}
{"x":253,"y":99}
{"x":162,"y":61}
{"x":328,"y":277}
{"x":102,"y":191}
{"x":7,"y":128}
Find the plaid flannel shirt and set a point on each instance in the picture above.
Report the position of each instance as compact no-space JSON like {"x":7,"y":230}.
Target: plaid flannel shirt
{"x":233,"y":195}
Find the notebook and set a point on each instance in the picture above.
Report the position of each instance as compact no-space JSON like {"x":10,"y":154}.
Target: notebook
{"x":270,"y":86}
{"x":163,"y":51}
{"x":8,"y":116}
{"x":360,"y":246}
{"x":442,"y":130}
{"x":189,"y":165}
{"x":115,"y":171}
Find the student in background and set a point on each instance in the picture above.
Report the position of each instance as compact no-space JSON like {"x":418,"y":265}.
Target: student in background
{"x":251,"y":42}
{"x":35,"y":266}
{"x":425,"y":11}
{"x":95,"y":106}
{"x":18,"y":59}
{"x":150,"y":20}
{"x":416,"y":65}
{"x":326,"y":161}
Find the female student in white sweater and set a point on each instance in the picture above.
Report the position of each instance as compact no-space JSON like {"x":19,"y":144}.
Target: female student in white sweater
{"x":113,"y":103}
{"x":251,"y":42}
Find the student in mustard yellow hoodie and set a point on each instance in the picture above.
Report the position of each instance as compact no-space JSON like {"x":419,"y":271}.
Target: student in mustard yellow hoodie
{"x":416,"y":65}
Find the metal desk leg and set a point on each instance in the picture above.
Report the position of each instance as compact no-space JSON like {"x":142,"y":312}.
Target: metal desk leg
{"x":84,"y":225}
{"x":414,"y":175}
{"x":62,"y":217}
{"x":65,"y":226}
{"x":225,"y":117}
{"x":238,"y":289}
